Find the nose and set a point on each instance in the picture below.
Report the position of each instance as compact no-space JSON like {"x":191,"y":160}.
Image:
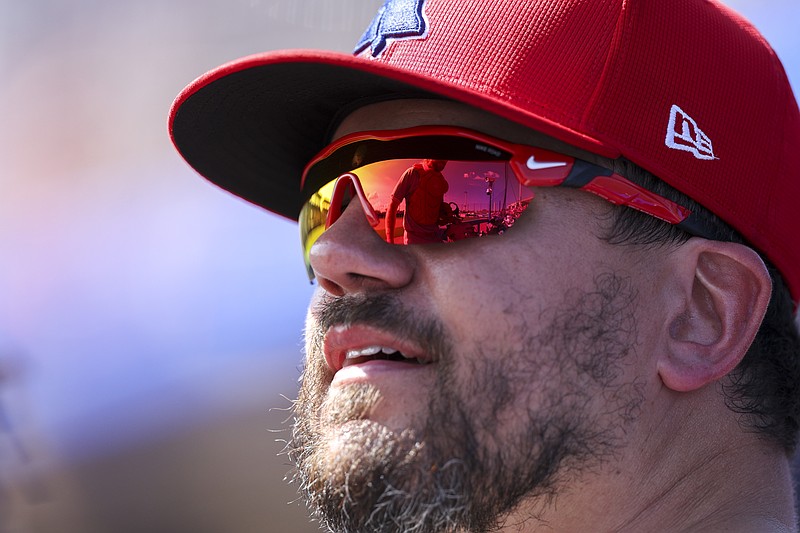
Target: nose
{"x":350,"y":257}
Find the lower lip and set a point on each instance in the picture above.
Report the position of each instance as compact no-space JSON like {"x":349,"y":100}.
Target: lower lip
{"x":372,"y":370}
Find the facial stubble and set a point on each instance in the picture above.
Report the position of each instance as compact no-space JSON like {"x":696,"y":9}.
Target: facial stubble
{"x":462,"y":466}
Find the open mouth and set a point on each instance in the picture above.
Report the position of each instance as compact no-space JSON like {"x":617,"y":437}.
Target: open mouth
{"x":360,"y":344}
{"x":378,"y":353}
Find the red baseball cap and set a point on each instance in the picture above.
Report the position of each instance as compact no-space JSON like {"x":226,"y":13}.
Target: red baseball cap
{"x":686,"y":89}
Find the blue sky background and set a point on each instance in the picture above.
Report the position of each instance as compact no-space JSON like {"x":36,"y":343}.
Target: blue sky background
{"x":135,"y":298}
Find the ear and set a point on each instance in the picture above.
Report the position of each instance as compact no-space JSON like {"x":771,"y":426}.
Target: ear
{"x":723,"y":290}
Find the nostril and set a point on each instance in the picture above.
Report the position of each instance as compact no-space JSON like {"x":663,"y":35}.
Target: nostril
{"x":330,"y":286}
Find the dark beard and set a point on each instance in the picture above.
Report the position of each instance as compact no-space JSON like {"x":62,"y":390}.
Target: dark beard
{"x":464,"y":468}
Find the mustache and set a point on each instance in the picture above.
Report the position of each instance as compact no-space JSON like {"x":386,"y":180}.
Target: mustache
{"x":381,"y":311}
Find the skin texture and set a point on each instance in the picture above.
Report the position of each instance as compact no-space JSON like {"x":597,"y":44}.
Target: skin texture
{"x":569,"y":384}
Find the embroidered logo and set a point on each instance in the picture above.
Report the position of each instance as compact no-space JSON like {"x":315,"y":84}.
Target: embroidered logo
{"x":396,"y":20}
{"x":683,"y":134}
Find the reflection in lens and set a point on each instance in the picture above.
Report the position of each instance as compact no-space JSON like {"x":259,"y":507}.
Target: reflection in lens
{"x":479,"y":198}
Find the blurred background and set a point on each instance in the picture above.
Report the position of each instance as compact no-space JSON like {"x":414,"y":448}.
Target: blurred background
{"x":150,"y":323}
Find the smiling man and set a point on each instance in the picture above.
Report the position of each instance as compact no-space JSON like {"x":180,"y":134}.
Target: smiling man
{"x":604,"y":338}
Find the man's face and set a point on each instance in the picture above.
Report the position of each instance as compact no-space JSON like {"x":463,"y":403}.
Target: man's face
{"x":446,"y":383}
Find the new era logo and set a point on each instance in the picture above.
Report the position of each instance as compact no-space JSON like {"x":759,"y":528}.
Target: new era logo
{"x":683,"y":134}
{"x":396,"y":20}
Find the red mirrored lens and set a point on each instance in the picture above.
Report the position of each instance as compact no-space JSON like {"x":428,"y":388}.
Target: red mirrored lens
{"x":431,"y":201}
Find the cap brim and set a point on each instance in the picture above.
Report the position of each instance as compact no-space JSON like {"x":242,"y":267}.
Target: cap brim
{"x":250,"y":126}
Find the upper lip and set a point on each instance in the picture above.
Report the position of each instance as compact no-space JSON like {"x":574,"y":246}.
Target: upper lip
{"x":358,"y":339}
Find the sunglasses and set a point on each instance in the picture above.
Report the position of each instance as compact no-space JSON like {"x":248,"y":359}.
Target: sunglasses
{"x":437,"y":184}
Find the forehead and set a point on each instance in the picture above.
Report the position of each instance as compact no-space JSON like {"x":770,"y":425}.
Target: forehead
{"x":397,"y":114}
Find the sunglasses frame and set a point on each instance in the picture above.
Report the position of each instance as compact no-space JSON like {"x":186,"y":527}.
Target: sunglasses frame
{"x":532,"y":166}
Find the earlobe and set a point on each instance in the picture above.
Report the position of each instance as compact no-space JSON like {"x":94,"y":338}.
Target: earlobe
{"x":724,"y":289}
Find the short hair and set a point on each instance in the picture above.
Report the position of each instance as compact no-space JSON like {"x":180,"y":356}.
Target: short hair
{"x":765,"y":386}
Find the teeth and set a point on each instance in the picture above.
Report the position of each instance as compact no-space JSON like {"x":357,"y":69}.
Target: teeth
{"x":369,"y":350}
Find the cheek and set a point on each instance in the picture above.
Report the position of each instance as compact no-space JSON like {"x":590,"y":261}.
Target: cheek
{"x":485,"y":292}
{"x":497,"y":289}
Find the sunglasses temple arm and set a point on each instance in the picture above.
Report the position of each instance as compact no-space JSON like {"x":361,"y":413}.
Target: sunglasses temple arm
{"x":343,"y":183}
{"x":622,"y":191}
{"x":583,"y":173}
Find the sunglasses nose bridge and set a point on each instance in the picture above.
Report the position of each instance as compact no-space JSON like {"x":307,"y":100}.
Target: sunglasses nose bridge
{"x":349,"y":182}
